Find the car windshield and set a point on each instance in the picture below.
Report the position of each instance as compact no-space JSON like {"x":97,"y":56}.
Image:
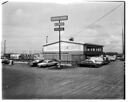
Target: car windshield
{"x":46,"y":61}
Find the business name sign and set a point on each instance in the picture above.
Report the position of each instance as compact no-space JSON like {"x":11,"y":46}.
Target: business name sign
{"x":58,"y":29}
{"x":59,"y":24}
{"x":59,"y":18}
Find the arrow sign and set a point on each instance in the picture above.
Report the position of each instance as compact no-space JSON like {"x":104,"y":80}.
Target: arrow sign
{"x":59,"y":18}
{"x":58,"y":29}
{"x":59,"y":24}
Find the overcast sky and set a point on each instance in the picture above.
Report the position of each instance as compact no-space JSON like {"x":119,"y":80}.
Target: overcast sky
{"x":26,"y":25}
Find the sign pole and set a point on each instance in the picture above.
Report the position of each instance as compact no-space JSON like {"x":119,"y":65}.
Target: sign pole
{"x":4,"y":47}
{"x":59,"y":18}
{"x":59,"y":46}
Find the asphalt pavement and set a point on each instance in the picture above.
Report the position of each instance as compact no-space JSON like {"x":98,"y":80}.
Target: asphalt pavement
{"x":20,"y":81}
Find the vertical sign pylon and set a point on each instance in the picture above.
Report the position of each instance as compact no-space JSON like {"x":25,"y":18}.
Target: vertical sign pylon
{"x":4,"y":47}
{"x":59,"y":46}
{"x":59,"y":18}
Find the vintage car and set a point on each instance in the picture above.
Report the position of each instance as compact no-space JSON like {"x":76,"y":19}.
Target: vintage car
{"x":97,"y":60}
{"x":47,"y":63}
{"x":7,"y":61}
{"x":100,"y":60}
{"x":88,"y":63}
{"x":35,"y":62}
{"x":121,"y":58}
{"x":111,"y":57}
{"x":106,"y":61}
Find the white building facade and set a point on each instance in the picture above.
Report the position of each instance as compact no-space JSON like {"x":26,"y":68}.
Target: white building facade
{"x":70,"y":51}
{"x":65,"y":47}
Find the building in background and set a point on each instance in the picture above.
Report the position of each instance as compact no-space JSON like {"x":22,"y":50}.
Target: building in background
{"x":71,"y":52}
{"x":23,"y":56}
{"x":15,"y":56}
{"x":93,"y":49}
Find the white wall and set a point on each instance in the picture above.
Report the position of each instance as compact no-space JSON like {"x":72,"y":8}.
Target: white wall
{"x":64,"y":47}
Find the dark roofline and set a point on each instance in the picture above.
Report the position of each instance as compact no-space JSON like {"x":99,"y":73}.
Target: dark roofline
{"x":72,"y":43}
{"x":93,"y":44}
{"x":51,"y":43}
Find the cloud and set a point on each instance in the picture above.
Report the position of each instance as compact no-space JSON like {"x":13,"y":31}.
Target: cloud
{"x":19,"y":12}
{"x":30,"y":21}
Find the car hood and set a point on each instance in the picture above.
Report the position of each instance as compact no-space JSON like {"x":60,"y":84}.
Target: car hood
{"x":42,"y":63}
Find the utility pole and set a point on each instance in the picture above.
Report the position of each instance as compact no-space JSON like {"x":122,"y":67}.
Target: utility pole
{"x":59,"y":43}
{"x":46,"y":39}
{"x":4,"y":47}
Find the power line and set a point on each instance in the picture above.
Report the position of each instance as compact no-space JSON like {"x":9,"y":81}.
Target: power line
{"x":101,"y":17}
{"x":106,"y":14}
{"x":4,"y":2}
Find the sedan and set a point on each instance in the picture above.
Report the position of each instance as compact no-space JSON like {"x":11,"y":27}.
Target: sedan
{"x":35,"y":62}
{"x":48,"y":63}
{"x":97,"y":60}
{"x":5,"y":61}
{"x":88,"y":63}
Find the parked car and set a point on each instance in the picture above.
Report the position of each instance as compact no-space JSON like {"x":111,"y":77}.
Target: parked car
{"x":35,"y":62}
{"x":121,"y":58}
{"x":48,"y":63}
{"x":7,"y":61}
{"x":88,"y":63}
{"x":106,"y":61}
{"x":111,"y":57}
{"x":97,"y":60}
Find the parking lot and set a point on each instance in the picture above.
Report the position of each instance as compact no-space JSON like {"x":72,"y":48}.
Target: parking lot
{"x":20,"y":81}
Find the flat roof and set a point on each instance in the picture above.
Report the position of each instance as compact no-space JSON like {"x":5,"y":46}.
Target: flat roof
{"x":93,"y":44}
{"x":72,"y":42}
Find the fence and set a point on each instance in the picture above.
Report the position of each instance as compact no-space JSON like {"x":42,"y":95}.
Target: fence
{"x":77,"y":58}
{"x":66,"y":58}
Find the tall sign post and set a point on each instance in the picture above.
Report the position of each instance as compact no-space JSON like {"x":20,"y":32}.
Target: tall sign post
{"x":4,"y":47}
{"x":59,"y":19}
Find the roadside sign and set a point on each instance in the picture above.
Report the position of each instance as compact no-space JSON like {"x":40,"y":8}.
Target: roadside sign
{"x":59,"y":18}
{"x":58,"y":29}
{"x":59,"y":24}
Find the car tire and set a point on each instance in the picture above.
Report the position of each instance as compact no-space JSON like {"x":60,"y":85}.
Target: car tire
{"x":96,"y":66}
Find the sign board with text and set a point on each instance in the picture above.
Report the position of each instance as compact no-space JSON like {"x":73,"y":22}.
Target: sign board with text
{"x":59,"y":18}
{"x":58,"y":29}
{"x":59,"y":24}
